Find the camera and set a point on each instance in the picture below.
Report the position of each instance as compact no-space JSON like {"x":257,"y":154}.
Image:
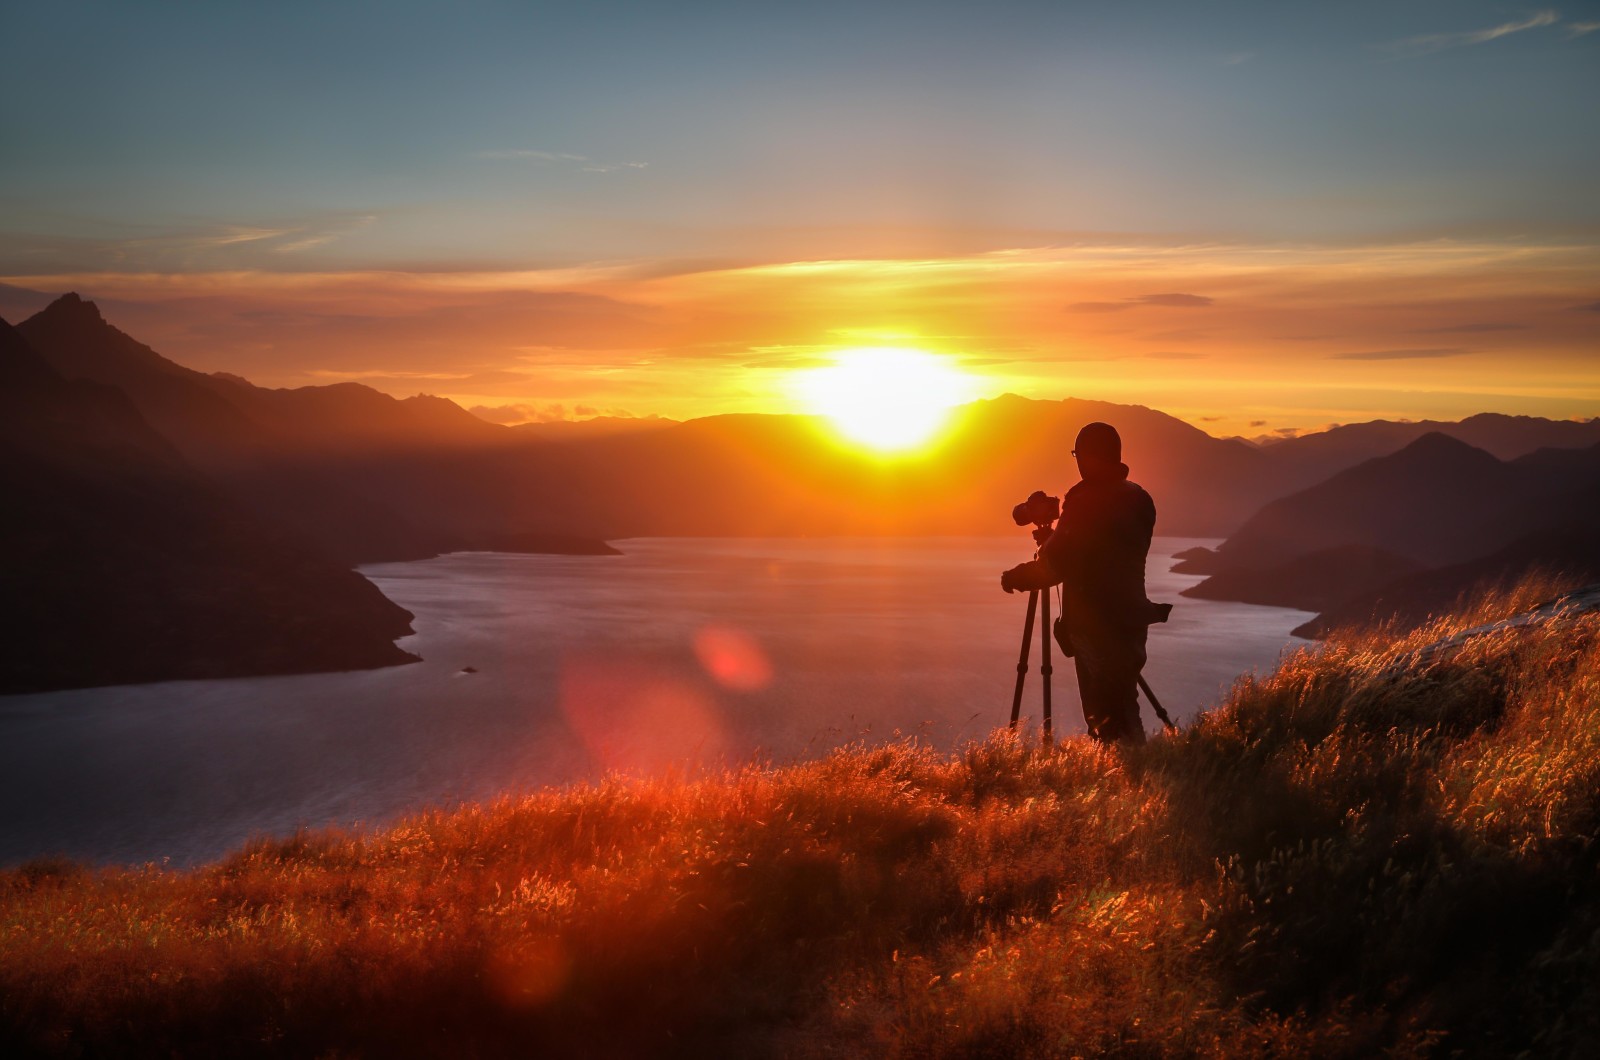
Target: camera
{"x":1040,"y":509}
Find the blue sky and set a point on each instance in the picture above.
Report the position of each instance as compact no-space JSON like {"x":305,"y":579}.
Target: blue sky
{"x":468,"y":134}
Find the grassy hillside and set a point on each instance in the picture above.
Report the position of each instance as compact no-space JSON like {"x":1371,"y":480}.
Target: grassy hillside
{"x":1355,"y":854}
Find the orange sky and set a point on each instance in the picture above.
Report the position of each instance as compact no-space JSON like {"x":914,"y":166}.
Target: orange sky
{"x":1236,"y":339}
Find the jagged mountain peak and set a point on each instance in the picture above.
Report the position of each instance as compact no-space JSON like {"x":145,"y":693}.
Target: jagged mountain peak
{"x":71,"y":306}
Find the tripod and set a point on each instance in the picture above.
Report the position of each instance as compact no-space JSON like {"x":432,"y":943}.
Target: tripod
{"x":1038,"y":601}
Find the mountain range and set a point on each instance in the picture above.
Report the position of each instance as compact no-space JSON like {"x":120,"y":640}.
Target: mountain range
{"x":350,"y":475}
{"x":1401,"y":536}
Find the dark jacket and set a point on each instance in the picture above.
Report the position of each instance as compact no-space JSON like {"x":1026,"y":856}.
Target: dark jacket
{"x":1098,"y":552}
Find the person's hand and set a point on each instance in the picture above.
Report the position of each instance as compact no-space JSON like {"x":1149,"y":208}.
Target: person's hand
{"x":1008,"y":580}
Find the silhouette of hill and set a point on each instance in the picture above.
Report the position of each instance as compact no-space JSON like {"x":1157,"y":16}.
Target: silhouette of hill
{"x":368,"y":477}
{"x":1430,"y":503}
{"x":218,"y":418}
{"x":300,"y":456}
{"x":1454,"y":515}
{"x":123,"y":564}
{"x":1313,"y":457}
{"x":754,"y":474}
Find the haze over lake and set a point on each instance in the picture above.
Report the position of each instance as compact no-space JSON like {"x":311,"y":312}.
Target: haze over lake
{"x":542,"y":670}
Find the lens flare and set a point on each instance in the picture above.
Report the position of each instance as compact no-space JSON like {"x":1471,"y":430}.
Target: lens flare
{"x":639,"y":716}
{"x":733,"y":658}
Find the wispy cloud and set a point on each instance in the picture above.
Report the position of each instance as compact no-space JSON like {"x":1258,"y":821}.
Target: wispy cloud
{"x":1400,"y":355}
{"x":232,"y":234}
{"x":1578,"y":29}
{"x":1471,"y":329}
{"x":1438,"y":42}
{"x":560,"y":158}
{"x":1176,"y":300}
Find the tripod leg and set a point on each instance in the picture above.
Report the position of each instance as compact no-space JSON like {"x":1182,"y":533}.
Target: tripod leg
{"x":1022,"y":660}
{"x":1044,"y":663}
{"x":1161,"y":712}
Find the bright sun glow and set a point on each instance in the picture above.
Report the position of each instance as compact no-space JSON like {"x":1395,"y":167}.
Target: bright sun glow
{"x":886,"y":398}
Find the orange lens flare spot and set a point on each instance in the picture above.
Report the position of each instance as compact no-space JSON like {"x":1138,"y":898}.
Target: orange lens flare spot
{"x":639,"y":716}
{"x":733,"y":658}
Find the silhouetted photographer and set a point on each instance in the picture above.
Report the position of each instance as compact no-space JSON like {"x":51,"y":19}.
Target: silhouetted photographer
{"x":1096,"y":552}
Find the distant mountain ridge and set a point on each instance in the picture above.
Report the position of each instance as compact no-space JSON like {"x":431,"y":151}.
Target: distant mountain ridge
{"x":297,"y":455}
{"x":1310,"y":522}
{"x":1312,"y":457}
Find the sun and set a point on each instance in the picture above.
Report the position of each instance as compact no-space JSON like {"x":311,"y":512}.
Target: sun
{"x":887,"y":398}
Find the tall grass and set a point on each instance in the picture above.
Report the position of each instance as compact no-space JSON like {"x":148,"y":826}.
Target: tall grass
{"x":1359,"y":853}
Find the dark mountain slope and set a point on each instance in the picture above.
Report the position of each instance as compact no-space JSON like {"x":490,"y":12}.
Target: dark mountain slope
{"x":1455,"y":515}
{"x":124,"y":565}
{"x":215,"y":419}
{"x":1435,"y":501}
{"x":282,"y":452}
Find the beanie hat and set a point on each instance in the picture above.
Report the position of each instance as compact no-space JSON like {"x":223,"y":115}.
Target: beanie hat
{"x":1099,"y":440}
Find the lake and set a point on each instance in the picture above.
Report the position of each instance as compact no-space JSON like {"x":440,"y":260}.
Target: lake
{"x":543,"y":670}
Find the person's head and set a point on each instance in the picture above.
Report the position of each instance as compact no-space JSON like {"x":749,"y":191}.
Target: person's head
{"x":1098,"y":450}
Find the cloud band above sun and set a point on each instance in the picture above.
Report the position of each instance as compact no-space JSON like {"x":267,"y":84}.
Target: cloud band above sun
{"x":1220,"y":334}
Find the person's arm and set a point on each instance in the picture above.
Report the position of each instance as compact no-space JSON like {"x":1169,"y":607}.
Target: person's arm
{"x":1034,"y":574}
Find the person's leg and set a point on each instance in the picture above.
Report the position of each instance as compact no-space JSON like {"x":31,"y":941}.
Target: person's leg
{"x":1127,"y":659}
{"x":1096,"y":719}
{"x":1108,"y":667}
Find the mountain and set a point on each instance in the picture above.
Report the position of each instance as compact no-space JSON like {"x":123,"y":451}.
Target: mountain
{"x":368,"y":477}
{"x":1312,"y":457}
{"x":1408,"y":533}
{"x":299,"y":456}
{"x":1435,"y":501}
{"x":219,"y":419}
{"x":123,"y":564}
{"x":753,"y":474}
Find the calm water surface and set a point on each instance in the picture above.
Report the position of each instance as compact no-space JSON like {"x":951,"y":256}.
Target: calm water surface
{"x":542,"y":670}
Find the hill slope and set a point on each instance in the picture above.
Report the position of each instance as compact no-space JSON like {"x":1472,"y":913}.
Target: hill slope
{"x":1407,"y":863}
{"x":123,"y":564}
{"x":1404,"y":535}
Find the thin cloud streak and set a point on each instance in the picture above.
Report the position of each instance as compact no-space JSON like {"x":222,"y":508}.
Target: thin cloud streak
{"x":1437,"y":42}
{"x":1170,"y":301}
{"x":1400,"y":355}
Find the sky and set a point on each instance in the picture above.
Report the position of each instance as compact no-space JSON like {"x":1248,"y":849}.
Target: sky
{"x":1262,"y":217}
